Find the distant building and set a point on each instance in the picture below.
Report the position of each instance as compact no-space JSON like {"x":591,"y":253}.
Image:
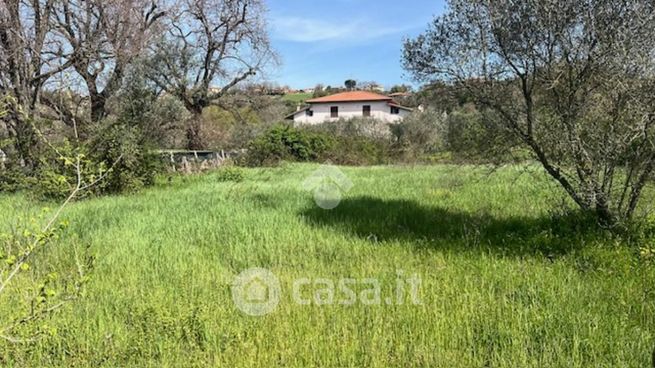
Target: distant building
{"x":400,"y":94}
{"x":376,"y":88}
{"x":350,"y":105}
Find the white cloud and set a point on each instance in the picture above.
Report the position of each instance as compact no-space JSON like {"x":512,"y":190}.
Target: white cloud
{"x":311,"y":30}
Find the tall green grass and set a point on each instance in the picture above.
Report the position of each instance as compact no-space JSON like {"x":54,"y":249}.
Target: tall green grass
{"x":509,"y":279}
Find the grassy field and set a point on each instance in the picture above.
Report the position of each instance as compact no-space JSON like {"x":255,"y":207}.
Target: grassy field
{"x":508,"y":279}
{"x":297,"y":97}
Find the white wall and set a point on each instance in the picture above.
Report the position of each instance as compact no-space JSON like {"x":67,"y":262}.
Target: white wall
{"x":379,"y":110}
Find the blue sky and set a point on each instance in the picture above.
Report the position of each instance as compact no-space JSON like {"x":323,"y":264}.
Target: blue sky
{"x":329,"y":41}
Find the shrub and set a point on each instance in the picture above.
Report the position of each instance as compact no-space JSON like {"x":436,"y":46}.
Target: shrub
{"x":283,"y":142}
{"x":345,"y":142}
{"x":357,"y":141}
{"x":51,"y":184}
{"x":133,"y":162}
{"x":420,"y":134}
{"x":230,"y":173}
{"x":13,"y":178}
{"x":358,"y":150}
{"x":113,"y":153}
{"x":57,"y":174}
{"x":361,"y":127}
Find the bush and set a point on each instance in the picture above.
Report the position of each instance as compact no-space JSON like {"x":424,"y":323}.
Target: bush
{"x":286,"y":143}
{"x":54,"y":176}
{"x":354,"y":142}
{"x":138,"y":103}
{"x":52,"y":184}
{"x":371,"y":128}
{"x":58,"y":175}
{"x":127,"y":141}
{"x":133,"y":162}
{"x":359,"y":151}
{"x":230,"y":173}
{"x":357,"y":141}
{"x":420,"y":134}
{"x":13,"y":178}
{"x":114,"y":153}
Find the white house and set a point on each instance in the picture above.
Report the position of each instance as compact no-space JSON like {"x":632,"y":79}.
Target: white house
{"x":349,"y":105}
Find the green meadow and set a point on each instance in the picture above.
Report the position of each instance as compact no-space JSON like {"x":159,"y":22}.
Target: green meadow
{"x":509,"y":277}
{"x":297,"y":97}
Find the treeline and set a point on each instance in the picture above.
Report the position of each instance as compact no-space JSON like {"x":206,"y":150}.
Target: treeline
{"x":429,"y":135}
{"x":110,"y":80}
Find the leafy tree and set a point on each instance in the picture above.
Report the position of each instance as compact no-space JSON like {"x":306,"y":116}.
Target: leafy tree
{"x":420,"y":133}
{"x":400,"y":88}
{"x":130,"y":137}
{"x":319,"y":91}
{"x":574,"y":81}
{"x":350,"y":84}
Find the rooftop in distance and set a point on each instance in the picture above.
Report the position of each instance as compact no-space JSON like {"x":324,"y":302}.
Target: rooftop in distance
{"x":352,"y":96}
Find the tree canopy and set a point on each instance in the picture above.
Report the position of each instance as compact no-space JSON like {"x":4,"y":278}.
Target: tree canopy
{"x":574,"y":81}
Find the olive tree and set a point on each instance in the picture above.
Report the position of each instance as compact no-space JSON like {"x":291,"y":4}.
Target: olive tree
{"x":573,"y":80}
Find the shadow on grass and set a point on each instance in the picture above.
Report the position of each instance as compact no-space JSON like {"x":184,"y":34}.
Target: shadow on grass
{"x":379,"y":220}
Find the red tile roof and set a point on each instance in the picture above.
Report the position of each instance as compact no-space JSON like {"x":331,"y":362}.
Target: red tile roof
{"x":353,"y":96}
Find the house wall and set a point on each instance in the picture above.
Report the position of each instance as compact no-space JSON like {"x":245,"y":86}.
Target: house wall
{"x":379,"y":110}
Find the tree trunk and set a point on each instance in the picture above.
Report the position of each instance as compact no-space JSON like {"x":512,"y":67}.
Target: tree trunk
{"x":604,"y":214}
{"x":99,"y":98}
{"x":24,"y":140}
{"x":98,"y":111}
{"x":194,"y":132}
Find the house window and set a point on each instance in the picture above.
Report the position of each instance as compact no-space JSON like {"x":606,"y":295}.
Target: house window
{"x":309,"y":113}
{"x":334,"y":111}
{"x":366,"y":110}
{"x":395,"y":110}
